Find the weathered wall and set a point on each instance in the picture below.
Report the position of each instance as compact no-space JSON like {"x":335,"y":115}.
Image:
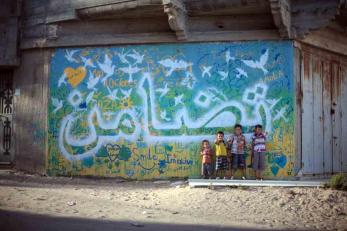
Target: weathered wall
{"x":324,"y":111}
{"x":30,"y":111}
{"x":141,"y":111}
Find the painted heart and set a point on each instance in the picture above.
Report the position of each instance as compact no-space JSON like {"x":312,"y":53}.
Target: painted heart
{"x":113,"y":151}
{"x":75,"y":76}
{"x":281,"y":160}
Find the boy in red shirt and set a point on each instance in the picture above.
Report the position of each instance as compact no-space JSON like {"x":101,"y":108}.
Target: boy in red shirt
{"x":206,"y":153}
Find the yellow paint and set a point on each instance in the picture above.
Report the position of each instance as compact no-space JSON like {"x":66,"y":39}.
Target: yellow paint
{"x":75,"y":76}
{"x":126,"y":103}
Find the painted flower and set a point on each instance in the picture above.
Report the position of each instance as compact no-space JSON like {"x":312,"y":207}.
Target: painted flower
{"x":126,"y":103}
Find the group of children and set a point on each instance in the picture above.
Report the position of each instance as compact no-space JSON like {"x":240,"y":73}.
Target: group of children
{"x":230,"y":155}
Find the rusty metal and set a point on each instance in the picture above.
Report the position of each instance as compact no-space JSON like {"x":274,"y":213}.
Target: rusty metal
{"x":6,"y":109}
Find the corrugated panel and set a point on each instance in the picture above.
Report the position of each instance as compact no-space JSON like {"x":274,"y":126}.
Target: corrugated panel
{"x":318,"y":138}
{"x":336,"y":116}
{"x":324,"y":111}
{"x":344,"y":117}
{"x":307,"y":110}
{"x":327,"y":123}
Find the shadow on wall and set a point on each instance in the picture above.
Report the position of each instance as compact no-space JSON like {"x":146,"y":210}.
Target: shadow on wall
{"x":10,"y":220}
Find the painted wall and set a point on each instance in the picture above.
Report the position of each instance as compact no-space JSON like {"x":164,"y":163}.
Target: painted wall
{"x":142,"y":111}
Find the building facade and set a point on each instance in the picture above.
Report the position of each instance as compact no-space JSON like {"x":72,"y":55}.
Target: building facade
{"x":131,"y":88}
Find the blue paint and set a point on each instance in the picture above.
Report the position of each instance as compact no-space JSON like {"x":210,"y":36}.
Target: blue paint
{"x":274,"y":169}
{"x":162,"y":163}
{"x":88,"y":162}
{"x":281,"y":160}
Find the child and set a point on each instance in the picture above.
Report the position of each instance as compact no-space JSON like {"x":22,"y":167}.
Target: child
{"x":236,"y":145}
{"x":258,"y":151}
{"x":206,"y":154}
{"x":221,"y":155}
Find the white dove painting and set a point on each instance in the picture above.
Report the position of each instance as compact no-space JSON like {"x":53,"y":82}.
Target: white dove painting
{"x":107,"y":68}
{"x":137,"y":57}
{"x":122,"y":56}
{"x":112,"y":94}
{"x":280,"y":114}
{"x":62,"y":80}
{"x":92,"y":81}
{"x":206,"y":70}
{"x":258,"y":63}
{"x":163,"y":91}
{"x":89,"y":97}
{"x":69,"y":56}
{"x":228,"y":58}
{"x":130,"y":70}
{"x":87,"y":62}
{"x":57,"y":103}
{"x":223,"y":74}
{"x":178,"y":100}
{"x":241,"y":73}
{"x":126,"y":93}
{"x":174,"y":65}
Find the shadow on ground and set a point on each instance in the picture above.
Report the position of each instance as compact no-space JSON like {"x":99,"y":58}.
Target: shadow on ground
{"x":14,"y":220}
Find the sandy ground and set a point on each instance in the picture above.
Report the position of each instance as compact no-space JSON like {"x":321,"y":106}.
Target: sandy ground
{"x":55,"y":203}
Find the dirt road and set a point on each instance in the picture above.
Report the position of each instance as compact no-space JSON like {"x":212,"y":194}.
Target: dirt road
{"x":46,"y":203}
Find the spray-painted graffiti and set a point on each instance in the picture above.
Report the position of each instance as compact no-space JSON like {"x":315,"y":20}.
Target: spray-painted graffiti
{"x":141,"y":111}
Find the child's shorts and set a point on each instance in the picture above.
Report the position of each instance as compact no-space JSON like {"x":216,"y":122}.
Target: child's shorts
{"x":221,"y":163}
{"x":259,"y":161}
{"x":206,"y":169}
{"x":238,"y":161}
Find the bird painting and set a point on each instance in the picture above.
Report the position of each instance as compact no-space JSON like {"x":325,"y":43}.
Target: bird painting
{"x":58,"y":104}
{"x":178,"y":100}
{"x":163,"y":91}
{"x":280,"y":114}
{"x":223,"y":74}
{"x":92,"y":81}
{"x":107,"y":68}
{"x":136,"y":56}
{"x":69,"y":56}
{"x":122,"y":57}
{"x":174,"y":65}
{"x":240,"y":72}
{"x":228,"y":57}
{"x":112,"y":94}
{"x":87,"y":62}
{"x":89,"y":97}
{"x":130,"y":70}
{"x":260,"y":64}
{"x":273,"y":102}
{"x":206,"y":70}
{"x":62,"y":80}
{"x":126,"y":93}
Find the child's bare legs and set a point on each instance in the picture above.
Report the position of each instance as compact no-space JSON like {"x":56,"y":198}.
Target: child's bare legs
{"x":260,"y":174}
{"x":217,"y":173}
{"x":220,"y":173}
{"x":243,"y":172}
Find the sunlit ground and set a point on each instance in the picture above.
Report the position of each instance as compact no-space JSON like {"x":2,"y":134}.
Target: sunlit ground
{"x":44,"y":203}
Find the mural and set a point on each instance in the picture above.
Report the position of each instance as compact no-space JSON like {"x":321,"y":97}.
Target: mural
{"x":141,"y":111}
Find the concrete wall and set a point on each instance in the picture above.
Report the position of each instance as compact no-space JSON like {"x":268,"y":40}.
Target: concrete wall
{"x":30,"y":111}
{"x":140,"y":112}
